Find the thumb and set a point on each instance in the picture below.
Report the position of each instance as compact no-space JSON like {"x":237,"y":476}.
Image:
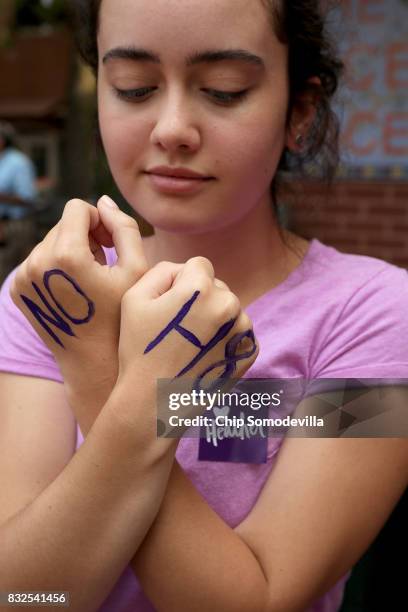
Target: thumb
{"x":125,"y":234}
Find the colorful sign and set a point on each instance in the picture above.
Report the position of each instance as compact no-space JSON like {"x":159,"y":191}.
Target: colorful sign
{"x":373,"y":104}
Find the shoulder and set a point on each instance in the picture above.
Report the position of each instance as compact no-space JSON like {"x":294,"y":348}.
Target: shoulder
{"x":21,"y":349}
{"x":335,"y":312}
{"x":335,"y":281}
{"x":18,"y":160}
{"x":366,"y":302}
{"x":350,"y":270}
{"x":359,"y":281}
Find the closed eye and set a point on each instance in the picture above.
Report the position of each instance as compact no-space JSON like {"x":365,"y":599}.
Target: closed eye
{"x":227,"y":96}
{"x":140,"y":94}
{"x":133,"y":94}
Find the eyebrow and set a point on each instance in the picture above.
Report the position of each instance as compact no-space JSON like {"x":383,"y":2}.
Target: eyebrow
{"x":202,"y":57}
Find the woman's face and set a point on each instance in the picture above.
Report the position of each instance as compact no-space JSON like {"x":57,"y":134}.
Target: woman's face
{"x":171,"y":109}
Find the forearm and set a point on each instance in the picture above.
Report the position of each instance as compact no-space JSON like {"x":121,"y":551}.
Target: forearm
{"x":81,"y":532}
{"x":7,"y":198}
{"x":192,"y":560}
{"x":221,"y":571}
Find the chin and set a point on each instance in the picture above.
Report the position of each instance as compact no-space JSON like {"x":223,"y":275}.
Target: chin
{"x":186,"y":227}
{"x":191,"y":227}
{"x":185,"y":218}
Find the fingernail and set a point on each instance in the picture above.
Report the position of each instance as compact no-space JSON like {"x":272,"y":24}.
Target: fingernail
{"x":109,"y":202}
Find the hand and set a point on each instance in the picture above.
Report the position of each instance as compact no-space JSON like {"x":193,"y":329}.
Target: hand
{"x":178,"y":322}
{"x":72,"y":298}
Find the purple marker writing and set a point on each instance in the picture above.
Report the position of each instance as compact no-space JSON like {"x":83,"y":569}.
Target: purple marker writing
{"x":56,"y":319}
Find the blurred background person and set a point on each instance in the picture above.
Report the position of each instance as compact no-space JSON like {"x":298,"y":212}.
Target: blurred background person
{"x":17,"y":180}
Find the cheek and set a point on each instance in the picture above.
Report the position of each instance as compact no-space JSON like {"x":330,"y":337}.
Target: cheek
{"x":120,"y":148}
{"x":253,"y":151}
{"x":255,"y":138}
{"x":120,"y":142}
{"x":122,"y":136}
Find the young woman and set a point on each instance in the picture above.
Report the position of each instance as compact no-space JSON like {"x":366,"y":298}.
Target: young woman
{"x":201,"y":105}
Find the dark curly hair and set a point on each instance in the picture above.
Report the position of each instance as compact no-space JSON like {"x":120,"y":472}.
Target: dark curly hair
{"x":301,"y":25}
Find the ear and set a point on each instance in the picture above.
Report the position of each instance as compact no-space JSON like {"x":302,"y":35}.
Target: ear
{"x":303,"y":114}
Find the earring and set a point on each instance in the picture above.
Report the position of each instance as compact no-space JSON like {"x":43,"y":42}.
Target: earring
{"x":299,"y":140}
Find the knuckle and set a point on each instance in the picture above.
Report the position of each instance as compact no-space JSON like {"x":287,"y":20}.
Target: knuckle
{"x":34,"y":266}
{"x":220,"y":284}
{"x":20,"y":285}
{"x":202,"y":262}
{"x":74,"y":202}
{"x":230,"y":305}
{"x":245,"y":322}
{"x":65,"y":258}
{"x":204,"y":285}
{"x":249,"y":346}
{"x":244,"y":364}
{"x":20,"y":276}
{"x":128,"y":221}
{"x":201,"y":284}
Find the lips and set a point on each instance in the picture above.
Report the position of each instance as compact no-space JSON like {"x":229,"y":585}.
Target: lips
{"x":181,"y":173}
{"x":177,"y":185}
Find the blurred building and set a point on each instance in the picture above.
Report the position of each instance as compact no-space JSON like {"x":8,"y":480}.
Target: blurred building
{"x":39,"y":95}
{"x":50,"y":97}
{"x":36,"y":72}
{"x":367,"y":212}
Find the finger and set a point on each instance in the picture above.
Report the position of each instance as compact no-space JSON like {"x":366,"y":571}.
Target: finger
{"x":78,"y":220}
{"x":125,"y":235}
{"x":101,"y":235}
{"x":157,"y":281}
{"x":97,"y":251}
{"x":197,"y":271}
{"x":220,"y":284}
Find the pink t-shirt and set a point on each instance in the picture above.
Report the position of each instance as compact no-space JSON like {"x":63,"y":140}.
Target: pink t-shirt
{"x":335,"y":316}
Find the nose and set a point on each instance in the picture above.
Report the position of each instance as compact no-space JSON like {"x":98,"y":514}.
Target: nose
{"x":175,"y":127}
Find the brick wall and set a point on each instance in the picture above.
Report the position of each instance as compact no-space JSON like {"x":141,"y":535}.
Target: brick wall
{"x":366,"y":218}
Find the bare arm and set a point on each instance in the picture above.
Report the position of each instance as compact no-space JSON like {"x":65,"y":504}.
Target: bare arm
{"x":324,"y":503}
{"x":71,"y":522}
{"x":13,"y":200}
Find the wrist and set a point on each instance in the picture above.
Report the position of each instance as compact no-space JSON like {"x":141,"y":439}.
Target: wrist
{"x":133,"y":408}
{"x":87,"y":382}
{"x":86,"y":398}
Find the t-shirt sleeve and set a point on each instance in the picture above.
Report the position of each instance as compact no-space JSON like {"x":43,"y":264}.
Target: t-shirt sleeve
{"x":370,"y":336}
{"x":21,"y":349}
{"x":24,"y":181}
